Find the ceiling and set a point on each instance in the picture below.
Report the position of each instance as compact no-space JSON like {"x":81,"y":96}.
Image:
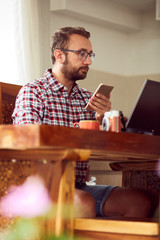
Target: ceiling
{"x":141,"y":5}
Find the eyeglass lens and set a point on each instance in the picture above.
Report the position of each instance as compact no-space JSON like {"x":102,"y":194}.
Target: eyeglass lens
{"x":83,"y":55}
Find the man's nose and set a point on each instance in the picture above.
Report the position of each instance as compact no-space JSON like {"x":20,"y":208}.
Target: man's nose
{"x":88,"y":60}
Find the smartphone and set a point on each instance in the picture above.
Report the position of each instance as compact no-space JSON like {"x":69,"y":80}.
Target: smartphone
{"x":103,"y":89}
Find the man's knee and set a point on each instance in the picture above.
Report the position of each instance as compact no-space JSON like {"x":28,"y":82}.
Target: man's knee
{"x":141,"y":204}
{"x":85,"y":205}
{"x":127,"y":202}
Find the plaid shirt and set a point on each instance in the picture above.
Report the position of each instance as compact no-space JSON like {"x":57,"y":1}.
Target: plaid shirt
{"x":46,"y":101}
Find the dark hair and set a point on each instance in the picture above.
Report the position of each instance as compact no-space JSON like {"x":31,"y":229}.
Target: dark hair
{"x":61,"y":38}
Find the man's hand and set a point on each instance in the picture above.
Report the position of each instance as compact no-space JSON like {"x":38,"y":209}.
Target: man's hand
{"x":100,"y":104}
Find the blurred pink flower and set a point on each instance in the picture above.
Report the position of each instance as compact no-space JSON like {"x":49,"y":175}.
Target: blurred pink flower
{"x":29,"y":200}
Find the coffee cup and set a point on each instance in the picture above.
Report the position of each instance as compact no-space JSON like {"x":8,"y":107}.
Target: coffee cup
{"x":87,"y":124}
{"x":111,"y":121}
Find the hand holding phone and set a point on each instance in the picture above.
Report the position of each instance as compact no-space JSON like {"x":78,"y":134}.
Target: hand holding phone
{"x":102,"y":89}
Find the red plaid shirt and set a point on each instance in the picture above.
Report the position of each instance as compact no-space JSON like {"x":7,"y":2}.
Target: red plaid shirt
{"x":46,"y":101}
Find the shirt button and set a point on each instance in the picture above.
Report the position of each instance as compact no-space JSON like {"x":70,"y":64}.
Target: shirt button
{"x":65,"y":88}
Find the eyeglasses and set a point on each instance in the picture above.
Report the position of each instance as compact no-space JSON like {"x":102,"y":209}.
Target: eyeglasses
{"x":82,"y":54}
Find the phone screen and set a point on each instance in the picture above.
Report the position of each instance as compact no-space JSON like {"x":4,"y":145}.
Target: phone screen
{"x":103,"y":89}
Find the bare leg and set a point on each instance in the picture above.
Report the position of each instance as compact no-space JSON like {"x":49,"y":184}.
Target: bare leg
{"x":126,"y":202}
{"x":85,"y":205}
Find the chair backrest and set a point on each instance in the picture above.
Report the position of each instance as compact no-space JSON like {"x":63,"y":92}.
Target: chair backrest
{"x":8,"y":93}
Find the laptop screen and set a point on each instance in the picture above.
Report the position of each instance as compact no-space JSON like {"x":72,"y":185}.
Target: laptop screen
{"x":145,"y":117}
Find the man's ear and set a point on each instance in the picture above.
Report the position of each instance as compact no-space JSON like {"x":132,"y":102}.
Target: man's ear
{"x":59,"y":56}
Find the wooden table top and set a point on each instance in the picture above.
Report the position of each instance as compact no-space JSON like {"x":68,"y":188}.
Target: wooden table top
{"x":45,"y":140}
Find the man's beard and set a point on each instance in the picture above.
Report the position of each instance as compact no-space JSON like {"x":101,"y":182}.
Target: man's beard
{"x":73,"y":73}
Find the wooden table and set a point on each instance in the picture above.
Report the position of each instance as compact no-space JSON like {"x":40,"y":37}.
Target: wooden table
{"x":51,"y":152}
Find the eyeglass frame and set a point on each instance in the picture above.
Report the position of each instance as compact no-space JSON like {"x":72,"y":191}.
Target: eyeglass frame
{"x":91,"y":54}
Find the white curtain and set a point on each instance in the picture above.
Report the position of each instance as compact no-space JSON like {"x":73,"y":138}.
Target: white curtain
{"x":20,"y":48}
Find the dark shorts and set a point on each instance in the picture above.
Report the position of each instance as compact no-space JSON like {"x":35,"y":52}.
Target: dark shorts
{"x":100,"y":193}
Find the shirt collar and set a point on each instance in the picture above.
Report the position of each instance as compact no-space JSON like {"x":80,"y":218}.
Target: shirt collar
{"x":56,"y":85}
{"x":52,"y":81}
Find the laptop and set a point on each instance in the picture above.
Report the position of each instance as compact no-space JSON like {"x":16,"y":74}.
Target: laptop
{"x":145,"y":117}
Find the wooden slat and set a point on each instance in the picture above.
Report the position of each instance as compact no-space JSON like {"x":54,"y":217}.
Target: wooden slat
{"x":55,"y":154}
{"x":117,"y":226}
{"x":89,"y":235}
{"x":134,"y":166}
{"x":65,"y":208}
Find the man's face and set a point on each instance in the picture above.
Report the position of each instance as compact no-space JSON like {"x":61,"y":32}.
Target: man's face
{"x":73,"y":67}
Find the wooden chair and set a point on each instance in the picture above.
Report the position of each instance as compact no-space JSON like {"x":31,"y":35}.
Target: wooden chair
{"x":8,"y":93}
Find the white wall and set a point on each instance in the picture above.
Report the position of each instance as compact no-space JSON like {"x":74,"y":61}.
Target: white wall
{"x":144,"y":47}
{"x":117,"y":52}
{"x":45,"y":22}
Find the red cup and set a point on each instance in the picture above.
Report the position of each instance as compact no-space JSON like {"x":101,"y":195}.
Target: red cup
{"x":87,"y":124}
